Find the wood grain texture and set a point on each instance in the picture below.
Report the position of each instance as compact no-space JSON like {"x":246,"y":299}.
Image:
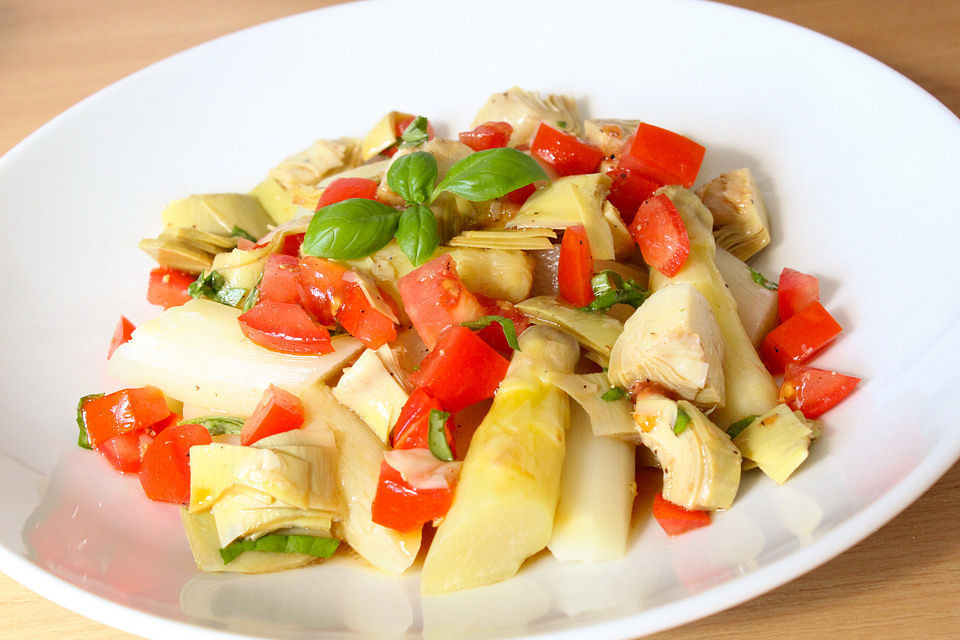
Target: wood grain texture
{"x":901,"y":583}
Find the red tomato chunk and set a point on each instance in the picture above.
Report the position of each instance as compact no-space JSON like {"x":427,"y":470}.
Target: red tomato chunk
{"x":278,"y":411}
{"x":284,"y":328}
{"x":124,"y":452}
{"x":124,"y":411}
{"x":168,"y":287}
{"x":346,"y":188}
{"x":489,"y":135}
{"x":281,"y":279}
{"x":575,"y":268}
{"x":121,"y":334}
{"x":435,"y":298}
{"x":661,"y":235}
{"x":795,"y":291}
{"x":412,"y":430}
{"x":564,"y":152}
{"x":401,"y":507}
{"x":674,"y":519}
{"x":165,"y":469}
{"x":361,"y":320}
{"x":493,"y":334}
{"x":663,"y":156}
{"x":799,"y":338}
{"x":322,"y":288}
{"x":628,"y":191}
{"x":814,"y":391}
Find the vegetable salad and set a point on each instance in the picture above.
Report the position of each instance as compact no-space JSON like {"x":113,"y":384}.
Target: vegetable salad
{"x":487,"y":335}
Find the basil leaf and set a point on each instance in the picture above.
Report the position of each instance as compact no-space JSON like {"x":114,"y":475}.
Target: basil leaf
{"x":609,"y":288}
{"x":237,"y":231}
{"x":737,"y":427}
{"x":217,"y":425}
{"x":278,"y":543}
{"x":761,"y":280}
{"x":213,"y":286}
{"x":417,"y":234}
{"x":683,"y":421}
{"x":83,"y":440}
{"x":413,"y":176}
{"x":253,"y":297}
{"x":415,"y":134}
{"x":437,"y":436}
{"x":615,"y":393}
{"x":489,"y":174}
{"x":350,"y":229}
{"x":509,"y":330}
{"x":605,"y":281}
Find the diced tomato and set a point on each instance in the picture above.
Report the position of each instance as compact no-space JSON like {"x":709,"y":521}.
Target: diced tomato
{"x":400,"y":127}
{"x":461,"y":370}
{"x":124,"y":452}
{"x":795,"y":291}
{"x":363,"y":321}
{"x":245,"y":245}
{"x":165,"y":468}
{"x":575,"y":268}
{"x":346,"y":188}
{"x":434,"y":297}
{"x":661,"y":235}
{"x":278,"y":411}
{"x":281,"y":279}
{"x":808,"y":331}
{"x":519,"y":196}
{"x":814,"y":391}
{"x":399,"y":506}
{"x":322,"y":288}
{"x":169,"y":421}
{"x":663,"y":156}
{"x":674,"y":519}
{"x":284,"y":328}
{"x":493,"y":334}
{"x":168,"y":287}
{"x":412,"y":430}
{"x":564,"y":152}
{"x":489,"y":135}
{"x":121,"y":334}
{"x":292,"y":243}
{"x":628,"y":191}
{"x":124,"y":411}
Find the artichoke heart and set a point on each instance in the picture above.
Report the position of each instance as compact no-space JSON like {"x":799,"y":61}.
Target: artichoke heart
{"x":778,"y":441}
{"x":368,"y":389}
{"x":511,"y":239}
{"x":596,"y":332}
{"x":609,"y":135}
{"x":672,"y":340}
{"x":383,"y":135}
{"x":319,"y":160}
{"x":525,"y":110}
{"x":701,"y":467}
{"x":741,"y":223}
{"x":608,"y":418}
{"x":218,"y":213}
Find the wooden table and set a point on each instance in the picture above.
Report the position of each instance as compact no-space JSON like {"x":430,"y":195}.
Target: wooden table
{"x":902,"y":582}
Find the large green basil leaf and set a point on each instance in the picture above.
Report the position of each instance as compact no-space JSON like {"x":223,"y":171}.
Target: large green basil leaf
{"x":413,"y":176}
{"x":350,"y":229}
{"x":490,"y":174}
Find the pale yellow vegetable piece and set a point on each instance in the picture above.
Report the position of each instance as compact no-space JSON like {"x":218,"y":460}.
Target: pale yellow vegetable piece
{"x":375,"y":171}
{"x":218,"y":213}
{"x":505,"y":501}
{"x":623,"y":243}
{"x":525,"y":110}
{"x":741,"y":223}
{"x":595,"y":331}
{"x":319,"y":160}
{"x":608,"y":418}
{"x":609,"y":134}
{"x":368,"y":389}
{"x":276,"y":201}
{"x":757,"y":306}
{"x":515,"y":239}
{"x":778,"y":441}
{"x":383,"y":134}
{"x":241,"y":514}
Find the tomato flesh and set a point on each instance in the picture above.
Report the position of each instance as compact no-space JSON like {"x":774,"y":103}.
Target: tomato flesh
{"x":628,"y":191}
{"x":124,"y":411}
{"x":575,"y":268}
{"x":814,"y":391}
{"x":661,"y":235}
{"x":165,"y":468}
{"x":121,"y":334}
{"x":168,"y":287}
{"x":435,"y":298}
{"x":489,"y":135}
{"x":674,"y":519}
{"x":345,"y":188}
{"x":795,"y":291}
{"x":284,"y":328}
{"x":281,"y":279}
{"x":519,"y":196}
{"x":322,"y":288}
{"x":278,"y":411}
{"x":565,"y":153}
{"x":412,"y":430}
{"x":125,"y":452}
{"x":461,"y":370}
{"x":808,"y":331}
{"x":363,"y":321}
{"x":292,"y":243}
{"x":493,"y":334}
{"x":399,"y":506}
{"x":663,"y":156}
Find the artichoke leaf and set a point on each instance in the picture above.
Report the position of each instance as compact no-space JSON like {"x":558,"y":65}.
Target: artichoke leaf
{"x":741,"y":224}
{"x":596,"y":332}
{"x":525,"y":110}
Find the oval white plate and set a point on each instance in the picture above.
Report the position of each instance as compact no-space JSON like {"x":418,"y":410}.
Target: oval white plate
{"x":852,"y":157}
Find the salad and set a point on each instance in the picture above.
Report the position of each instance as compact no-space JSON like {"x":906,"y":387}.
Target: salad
{"x":493,"y":336}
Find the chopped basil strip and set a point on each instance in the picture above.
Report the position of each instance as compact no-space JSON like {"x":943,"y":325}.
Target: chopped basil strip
{"x":217,"y":425}
{"x":683,"y":421}
{"x":238,"y":232}
{"x":437,"y":438}
{"x":413,"y":176}
{"x":253,"y":297}
{"x":761,"y":280}
{"x":509,"y":330}
{"x":277,"y":543}
{"x":609,"y":288}
{"x":415,"y":134}
{"x":734,"y":430}
{"x":350,"y":229}
{"x":214,"y":287}
{"x":84,"y":439}
{"x":615,"y":393}
{"x":417,"y":234}
{"x":489,"y":174}
{"x":562,"y":124}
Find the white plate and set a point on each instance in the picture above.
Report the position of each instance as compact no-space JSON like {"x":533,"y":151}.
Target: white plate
{"x":854,"y":159}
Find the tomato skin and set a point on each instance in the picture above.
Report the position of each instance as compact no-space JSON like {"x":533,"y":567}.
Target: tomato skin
{"x":564,"y":152}
{"x":493,"y":334}
{"x":663,"y":156}
{"x":284,"y":328}
{"x":489,"y":135}
{"x":125,"y":452}
{"x":292,"y":243}
{"x":795,"y":291}
{"x":362,"y":321}
{"x":412,"y":430}
{"x":278,"y":411}
{"x":519,"y":196}
{"x":575,"y":268}
{"x":435,"y":298}
{"x":165,"y":468}
{"x":461,"y":370}
{"x":281,"y":279}
{"x":674,"y":519}
{"x":124,"y":411}
{"x":628,"y":191}
{"x":121,"y":334}
{"x":399,"y":506}
{"x":322,"y":288}
{"x":168,"y":287}
{"x":814,"y":391}
{"x":345,"y":188}
{"x":661,"y":235}
{"x":808,"y":331}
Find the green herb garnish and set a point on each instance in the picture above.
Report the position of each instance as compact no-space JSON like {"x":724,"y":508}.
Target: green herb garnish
{"x":609,"y":288}
{"x":83,"y":440}
{"x":350,"y":229}
{"x":683,"y":421}
{"x":437,"y":436}
{"x":213,"y":286}
{"x":490,"y":174}
{"x":413,"y":176}
{"x":217,"y":425}
{"x":509,"y":330}
{"x":415,"y":134}
{"x":277,"y":543}
{"x":737,"y":427}
{"x":761,"y":280}
{"x":238,"y":232}
{"x":417,"y":234}
{"x":615,"y":393}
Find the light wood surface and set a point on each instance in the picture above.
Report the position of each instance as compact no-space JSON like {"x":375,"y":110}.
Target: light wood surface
{"x":901,"y":583}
